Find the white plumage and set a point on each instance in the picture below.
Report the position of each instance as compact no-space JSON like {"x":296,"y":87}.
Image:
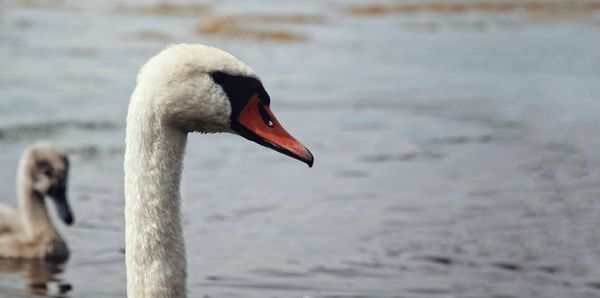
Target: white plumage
{"x":175,"y":95}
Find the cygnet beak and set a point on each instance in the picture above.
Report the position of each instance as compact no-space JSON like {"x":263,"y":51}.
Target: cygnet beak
{"x":59,"y":196}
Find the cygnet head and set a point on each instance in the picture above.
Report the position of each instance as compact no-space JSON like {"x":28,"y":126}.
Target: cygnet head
{"x":197,"y":88}
{"x":48,"y":167}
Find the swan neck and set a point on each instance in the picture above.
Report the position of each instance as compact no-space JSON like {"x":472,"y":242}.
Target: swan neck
{"x":155,"y":251}
{"x":32,"y":205}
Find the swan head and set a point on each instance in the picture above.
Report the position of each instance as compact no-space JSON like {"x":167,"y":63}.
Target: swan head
{"x":49,"y":169}
{"x":197,"y":88}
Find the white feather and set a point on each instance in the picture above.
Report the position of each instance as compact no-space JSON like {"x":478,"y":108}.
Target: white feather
{"x":174,"y":95}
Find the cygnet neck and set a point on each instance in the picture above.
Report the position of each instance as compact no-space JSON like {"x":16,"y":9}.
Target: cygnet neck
{"x":31,"y":203}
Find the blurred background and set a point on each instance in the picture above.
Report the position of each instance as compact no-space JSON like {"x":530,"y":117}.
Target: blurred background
{"x":455,"y":142}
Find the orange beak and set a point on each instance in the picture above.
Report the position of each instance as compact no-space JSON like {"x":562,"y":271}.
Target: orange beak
{"x":257,"y":123}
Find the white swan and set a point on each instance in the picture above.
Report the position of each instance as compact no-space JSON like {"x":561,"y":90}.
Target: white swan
{"x":29,"y":233}
{"x":185,"y":88}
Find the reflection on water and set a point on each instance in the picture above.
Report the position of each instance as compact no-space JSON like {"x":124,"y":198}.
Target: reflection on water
{"x":40,"y":276}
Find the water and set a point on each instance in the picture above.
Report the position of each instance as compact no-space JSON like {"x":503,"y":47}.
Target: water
{"x":456,"y":152}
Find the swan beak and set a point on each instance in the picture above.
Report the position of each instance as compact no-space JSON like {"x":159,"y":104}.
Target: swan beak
{"x":64,"y":210}
{"x":62,"y":205}
{"x":257,"y":123}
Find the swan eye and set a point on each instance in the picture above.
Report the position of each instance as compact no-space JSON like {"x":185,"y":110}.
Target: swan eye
{"x":45,"y":168}
{"x":265,"y":116}
{"x":48,"y":172}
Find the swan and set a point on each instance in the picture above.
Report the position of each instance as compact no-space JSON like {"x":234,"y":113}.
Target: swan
{"x":29,"y":232}
{"x":185,"y":88}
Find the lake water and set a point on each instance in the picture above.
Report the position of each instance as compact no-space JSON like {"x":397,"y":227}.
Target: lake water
{"x":456,"y":146}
